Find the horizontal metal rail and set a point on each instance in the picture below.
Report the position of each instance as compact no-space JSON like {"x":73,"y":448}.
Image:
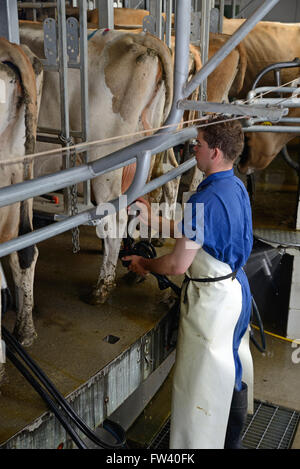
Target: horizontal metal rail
{"x":38,"y":5}
{"x":142,"y":169}
{"x":288,"y":102}
{"x":116,"y":160}
{"x":137,"y":189}
{"x":273,"y":128}
{"x":271,"y":89}
{"x":271,"y":113}
{"x":284,"y":120}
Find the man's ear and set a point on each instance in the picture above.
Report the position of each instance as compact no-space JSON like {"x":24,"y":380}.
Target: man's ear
{"x":217,"y":153}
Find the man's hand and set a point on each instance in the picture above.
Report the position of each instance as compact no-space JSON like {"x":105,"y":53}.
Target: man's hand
{"x":137,"y":264}
{"x":145,"y":211}
{"x":146,"y":216}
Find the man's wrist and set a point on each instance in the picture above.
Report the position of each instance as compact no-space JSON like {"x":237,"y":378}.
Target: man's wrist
{"x":144,"y":263}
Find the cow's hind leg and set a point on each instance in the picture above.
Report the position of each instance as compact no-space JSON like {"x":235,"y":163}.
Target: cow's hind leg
{"x":106,"y":281}
{"x":23,"y":266}
{"x":2,"y":357}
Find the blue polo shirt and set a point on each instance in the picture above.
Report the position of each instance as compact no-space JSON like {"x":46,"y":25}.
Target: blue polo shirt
{"x":225,"y":232}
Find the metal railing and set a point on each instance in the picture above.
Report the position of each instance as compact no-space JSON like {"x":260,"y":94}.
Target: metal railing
{"x":140,"y":151}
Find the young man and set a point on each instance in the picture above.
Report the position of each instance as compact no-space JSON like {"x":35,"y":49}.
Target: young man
{"x":209,"y":400}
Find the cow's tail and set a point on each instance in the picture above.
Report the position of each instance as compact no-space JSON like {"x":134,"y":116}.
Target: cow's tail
{"x":165,"y":57}
{"x":13,"y":53}
{"x":238,"y":82}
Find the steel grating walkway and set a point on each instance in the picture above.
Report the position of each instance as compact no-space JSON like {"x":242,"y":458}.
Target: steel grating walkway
{"x":270,"y":427}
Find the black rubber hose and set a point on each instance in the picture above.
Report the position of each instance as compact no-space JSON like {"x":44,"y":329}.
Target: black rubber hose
{"x":147,"y":250}
{"x":6,"y":300}
{"x":56,"y":394}
{"x":53,"y":407}
{"x":255,"y":311}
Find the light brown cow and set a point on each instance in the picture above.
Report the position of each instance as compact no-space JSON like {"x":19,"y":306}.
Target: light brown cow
{"x":20,"y":79}
{"x":130,"y":88}
{"x":228,"y":76}
{"x":123,"y":17}
{"x":267,"y":43}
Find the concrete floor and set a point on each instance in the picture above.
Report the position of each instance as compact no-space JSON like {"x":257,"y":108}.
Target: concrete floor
{"x":277,"y":376}
{"x":70,"y":345}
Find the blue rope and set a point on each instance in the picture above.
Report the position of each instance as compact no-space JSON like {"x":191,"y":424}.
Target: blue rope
{"x":92,"y":34}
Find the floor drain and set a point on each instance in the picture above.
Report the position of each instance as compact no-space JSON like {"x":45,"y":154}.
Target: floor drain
{"x":111,"y":339}
{"x":270,"y":427}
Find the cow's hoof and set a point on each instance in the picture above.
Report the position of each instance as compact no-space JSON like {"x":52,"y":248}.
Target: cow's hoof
{"x":3,"y":376}
{"x":99,"y":295}
{"x":25,"y":338}
{"x":158,"y":242}
{"x":131,"y":278}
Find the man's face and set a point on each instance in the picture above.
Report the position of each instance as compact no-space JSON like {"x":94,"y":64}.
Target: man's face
{"x":202,"y":153}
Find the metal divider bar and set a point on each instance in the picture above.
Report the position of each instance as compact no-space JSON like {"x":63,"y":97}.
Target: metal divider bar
{"x":67,"y":177}
{"x":142,"y":170}
{"x":137,"y":188}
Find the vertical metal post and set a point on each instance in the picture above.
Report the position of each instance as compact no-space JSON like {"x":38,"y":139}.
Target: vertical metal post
{"x":64,"y":94}
{"x":9,"y":26}
{"x":221,"y":15}
{"x":84,"y":89}
{"x":34,"y":11}
{"x":168,"y":11}
{"x":181,"y":66}
{"x":106,"y":18}
{"x":233,"y":8}
{"x":204,"y":41}
{"x":155,"y":9}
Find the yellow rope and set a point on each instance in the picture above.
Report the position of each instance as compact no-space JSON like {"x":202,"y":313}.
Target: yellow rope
{"x":294,"y":341}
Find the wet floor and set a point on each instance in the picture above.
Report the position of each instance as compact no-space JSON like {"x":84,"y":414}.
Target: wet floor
{"x":73,"y":341}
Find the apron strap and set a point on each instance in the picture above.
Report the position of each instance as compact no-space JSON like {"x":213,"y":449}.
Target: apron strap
{"x":187,"y":280}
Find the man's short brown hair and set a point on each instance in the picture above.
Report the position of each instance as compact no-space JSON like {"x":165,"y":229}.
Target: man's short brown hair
{"x":226,"y":135}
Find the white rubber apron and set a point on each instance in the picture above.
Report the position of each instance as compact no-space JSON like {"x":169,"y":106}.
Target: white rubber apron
{"x":204,"y":374}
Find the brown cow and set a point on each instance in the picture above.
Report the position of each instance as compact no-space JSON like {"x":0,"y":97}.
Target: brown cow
{"x":123,"y":17}
{"x":227,"y":76}
{"x":268,"y":43}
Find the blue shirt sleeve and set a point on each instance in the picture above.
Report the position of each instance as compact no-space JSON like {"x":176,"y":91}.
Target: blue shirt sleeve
{"x":218,"y":217}
{"x":206,"y":221}
{"x":192,"y":224}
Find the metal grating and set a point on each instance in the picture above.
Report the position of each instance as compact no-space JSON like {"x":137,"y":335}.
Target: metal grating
{"x":161,"y":441}
{"x":270,"y":427}
{"x":281,"y":237}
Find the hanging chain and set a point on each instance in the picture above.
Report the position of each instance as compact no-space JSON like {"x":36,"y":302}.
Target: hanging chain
{"x":74,"y":207}
{"x":72,"y":194}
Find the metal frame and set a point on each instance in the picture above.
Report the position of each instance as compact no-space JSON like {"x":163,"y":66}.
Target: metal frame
{"x":140,"y":150}
{"x":255,"y":96}
{"x":9,"y":26}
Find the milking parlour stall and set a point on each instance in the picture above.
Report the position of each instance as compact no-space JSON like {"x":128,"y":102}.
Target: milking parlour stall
{"x":102,"y":103}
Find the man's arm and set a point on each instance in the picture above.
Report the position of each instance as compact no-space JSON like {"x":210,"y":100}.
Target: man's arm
{"x":175,"y":263}
{"x":163,"y":225}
